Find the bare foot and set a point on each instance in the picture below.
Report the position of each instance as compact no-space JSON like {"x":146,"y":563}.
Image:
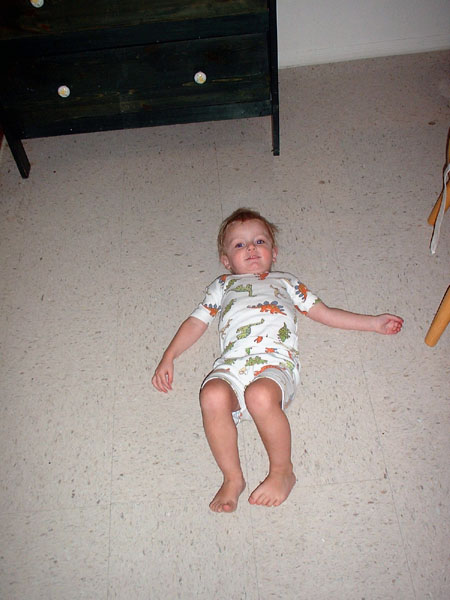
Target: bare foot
{"x":274,"y":490}
{"x":227,"y":497}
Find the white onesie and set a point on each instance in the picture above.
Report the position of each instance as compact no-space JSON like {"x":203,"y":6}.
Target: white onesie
{"x":257,"y":330}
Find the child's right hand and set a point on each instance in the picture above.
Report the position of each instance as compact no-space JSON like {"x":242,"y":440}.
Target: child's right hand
{"x":163,"y":377}
{"x":188,"y":333}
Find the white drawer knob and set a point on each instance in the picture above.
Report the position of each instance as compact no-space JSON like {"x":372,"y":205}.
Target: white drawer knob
{"x":37,"y":3}
{"x":200,"y":77}
{"x":64,"y":91}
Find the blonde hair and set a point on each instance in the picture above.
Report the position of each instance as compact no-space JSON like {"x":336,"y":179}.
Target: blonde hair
{"x":241,"y":215}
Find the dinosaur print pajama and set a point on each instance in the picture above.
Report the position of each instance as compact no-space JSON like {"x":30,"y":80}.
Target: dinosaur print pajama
{"x":257,"y":330}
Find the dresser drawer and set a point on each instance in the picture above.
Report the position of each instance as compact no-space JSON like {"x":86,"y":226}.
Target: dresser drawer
{"x":57,"y":24}
{"x":137,"y":82}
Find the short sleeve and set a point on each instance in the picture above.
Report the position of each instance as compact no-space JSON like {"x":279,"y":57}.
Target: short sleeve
{"x":212,"y":302}
{"x":302,"y":297}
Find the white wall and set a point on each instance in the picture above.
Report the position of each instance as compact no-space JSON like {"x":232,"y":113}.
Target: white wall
{"x":317,"y":31}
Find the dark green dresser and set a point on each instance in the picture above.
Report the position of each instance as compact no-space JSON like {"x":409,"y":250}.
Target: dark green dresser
{"x":90,"y":65}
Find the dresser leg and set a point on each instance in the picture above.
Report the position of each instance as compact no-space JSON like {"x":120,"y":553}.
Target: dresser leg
{"x":276,"y":134}
{"x":273,"y":60}
{"x":18,"y":152}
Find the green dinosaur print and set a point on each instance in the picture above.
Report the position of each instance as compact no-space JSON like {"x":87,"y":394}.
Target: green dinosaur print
{"x":246,"y":330}
{"x":244,"y":288}
{"x":255,"y":360}
{"x":284,"y":333}
{"x":230,"y":283}
{"x":230,"y":361}
{"x":228,"y":307}
{"x":288,"y":365}
{"x":229,"y":347}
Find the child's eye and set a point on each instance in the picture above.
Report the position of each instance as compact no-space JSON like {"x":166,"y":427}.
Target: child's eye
{"x":260,"y":241}
{"x":239,"y":245}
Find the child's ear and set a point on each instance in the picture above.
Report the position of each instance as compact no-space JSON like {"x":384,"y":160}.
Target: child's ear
{"x":274,"y":253}
{"x":224,"y":260}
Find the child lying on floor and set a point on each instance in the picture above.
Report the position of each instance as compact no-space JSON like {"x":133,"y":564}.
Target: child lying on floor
{"x":258,"y":371}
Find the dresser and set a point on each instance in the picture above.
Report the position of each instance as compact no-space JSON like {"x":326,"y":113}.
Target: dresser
{"x":91,"y":65}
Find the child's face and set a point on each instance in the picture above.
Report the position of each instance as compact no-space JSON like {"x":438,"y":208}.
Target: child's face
{"x":248,"y":248}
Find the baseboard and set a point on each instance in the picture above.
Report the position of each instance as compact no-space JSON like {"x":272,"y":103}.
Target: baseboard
{"x":314,"y":56}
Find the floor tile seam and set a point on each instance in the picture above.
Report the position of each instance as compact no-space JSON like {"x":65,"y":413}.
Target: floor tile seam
{"x":388,"y":479}
{"x":342,"y":483}
{"x":56,"y":509}
{"x":182,"y":497}
{"x":244,"y":437}
{"x":14,"y":268}
{"x":344,"y":360}
{"x":328,"y":218}
{"x":116,"y":386}
{"x":219,"y":181}
{"x":158,"y":497}
{"x":358,"y":360}
{"x":254,"y":556}
{"x":10,"y":290}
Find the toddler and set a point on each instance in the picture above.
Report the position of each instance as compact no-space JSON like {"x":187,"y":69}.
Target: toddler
{"x":257,"y":373}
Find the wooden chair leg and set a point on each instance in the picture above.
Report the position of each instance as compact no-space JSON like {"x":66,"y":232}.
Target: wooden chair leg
{"x":440,"y":321}
{"x":437,"y":206}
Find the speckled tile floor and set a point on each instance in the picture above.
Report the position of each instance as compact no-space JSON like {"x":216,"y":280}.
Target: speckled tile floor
{"x":109,"y":244}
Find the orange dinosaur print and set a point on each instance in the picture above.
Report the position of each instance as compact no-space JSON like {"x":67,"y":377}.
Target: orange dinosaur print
{"x":267,"y":367}
{"x":301,"y":290}
{"x":262,"y":276}
{"x":303,"y":312}
{"x":268,"y":350}
{"x":258,"y":339}
{"x":271,"y":307}
{"x":213,"y":310}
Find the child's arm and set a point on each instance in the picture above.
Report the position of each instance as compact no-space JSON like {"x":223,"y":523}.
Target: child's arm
{"x":342,"y":319}
{"x":188,"y":333}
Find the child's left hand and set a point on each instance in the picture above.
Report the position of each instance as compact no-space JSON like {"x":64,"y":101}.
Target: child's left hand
{"x":388,"y":324}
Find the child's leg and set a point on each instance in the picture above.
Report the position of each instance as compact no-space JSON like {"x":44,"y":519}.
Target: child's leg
{"x":218,"y":401}
{"x":263,"y":400}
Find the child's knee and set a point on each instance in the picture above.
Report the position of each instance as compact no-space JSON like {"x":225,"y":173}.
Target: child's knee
{"x":262,"y":395}
{"x":217,"y":395}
